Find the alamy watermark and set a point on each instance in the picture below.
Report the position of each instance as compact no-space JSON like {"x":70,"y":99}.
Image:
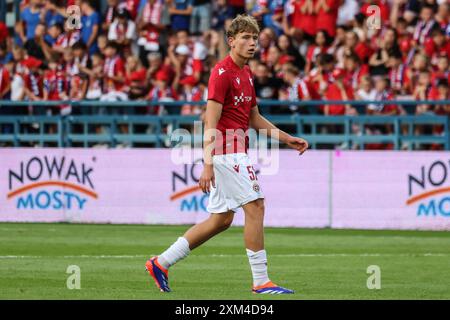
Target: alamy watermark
{"x":374,"y":280}
{"x":74,"y":280}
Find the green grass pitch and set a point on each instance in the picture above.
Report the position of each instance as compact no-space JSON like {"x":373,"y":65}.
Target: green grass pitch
{"x":316,"y":263}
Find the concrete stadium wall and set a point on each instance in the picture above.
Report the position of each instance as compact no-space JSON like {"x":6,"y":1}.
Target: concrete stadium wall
{"x":337,"y":189}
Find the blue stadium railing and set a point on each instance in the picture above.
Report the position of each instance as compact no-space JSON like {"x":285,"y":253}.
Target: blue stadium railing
{"x":76,"y":130}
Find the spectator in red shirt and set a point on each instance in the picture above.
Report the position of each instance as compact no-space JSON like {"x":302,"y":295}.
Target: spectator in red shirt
{"x":442,"y":71}
{"x":327,"y":11}
{"x":149,"y":26}
{"x":161,"y":91}
{"x":114,"y":74}
{"x":95,"y":74}
{"x":303,"y":16}
{"x":338,"y":90}
{"x":184,"y":64}
{"x":354,"y":70}
{"x":54,"y":82}
{"x":33,"y":79}
{"x":397,"y":72}
{"x":436,"y":46}
{"x":441,"y":92}
{"x":5,"y":83}
{"x":3,"y":32}
{"x":320,"y":46}
{"x":122,"y":30}
{"x":156,"y":64}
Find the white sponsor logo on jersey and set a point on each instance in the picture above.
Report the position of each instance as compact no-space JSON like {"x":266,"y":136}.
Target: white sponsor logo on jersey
{"x":251,"y":81}
{"x":238,"y":81}
{"x":221,"y":70}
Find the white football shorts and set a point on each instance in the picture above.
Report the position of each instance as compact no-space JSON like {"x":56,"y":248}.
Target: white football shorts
{"x":236,"y":183}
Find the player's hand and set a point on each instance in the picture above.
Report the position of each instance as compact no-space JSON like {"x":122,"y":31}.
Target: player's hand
{"x":207,"y":179}
{"x":298,"y":144}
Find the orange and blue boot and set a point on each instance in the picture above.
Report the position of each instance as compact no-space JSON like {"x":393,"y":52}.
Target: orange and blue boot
{"x":271,"y":288}
{"x":158,"y":273}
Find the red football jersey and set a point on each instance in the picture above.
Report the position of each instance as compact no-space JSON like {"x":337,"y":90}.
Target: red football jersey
{"x":232,"y":87}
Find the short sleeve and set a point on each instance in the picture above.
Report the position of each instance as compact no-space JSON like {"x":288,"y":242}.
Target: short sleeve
{"x":24,"y":15}
{"x":218,"y":86}
{"x":95,"y":18}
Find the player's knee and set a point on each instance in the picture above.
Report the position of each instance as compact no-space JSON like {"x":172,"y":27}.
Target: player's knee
{"x":259,"y":207}
{"x":226,"y":222}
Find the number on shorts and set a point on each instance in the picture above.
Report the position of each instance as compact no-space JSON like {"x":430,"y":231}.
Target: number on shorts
{"x":251,"y":173}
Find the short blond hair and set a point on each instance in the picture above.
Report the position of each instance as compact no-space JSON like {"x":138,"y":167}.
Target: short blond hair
{"x":242,"y":23}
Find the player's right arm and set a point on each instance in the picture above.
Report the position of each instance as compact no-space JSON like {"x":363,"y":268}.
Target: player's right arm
{"x":212,"y":116}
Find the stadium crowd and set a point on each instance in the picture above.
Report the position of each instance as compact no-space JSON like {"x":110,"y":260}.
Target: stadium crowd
{"x":164,"y":49}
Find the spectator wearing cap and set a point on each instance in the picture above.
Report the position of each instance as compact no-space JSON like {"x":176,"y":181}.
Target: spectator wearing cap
{"x":30,"y":17}
{"x":161,"y":91}
{"x":122,"y":30}
{"x":137,"y":86}
{"x":180,"y":14}
{"x":33,"y":79}
{"x":149,"y":28}
{"x":90,"y":25}
{"x":114,"y":75}
{"x":184,"y":64}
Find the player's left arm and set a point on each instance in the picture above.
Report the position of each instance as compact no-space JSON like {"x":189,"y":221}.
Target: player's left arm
{"x":257,"y":122}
